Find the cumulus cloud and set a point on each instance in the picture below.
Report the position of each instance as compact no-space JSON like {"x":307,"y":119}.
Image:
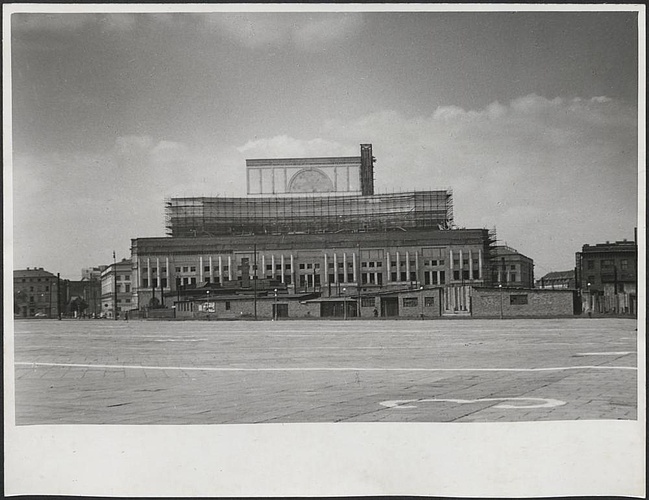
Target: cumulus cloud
{"x":69,"y":22}
{"x":304,"y":31}
{"x":253,"y":30}
{"x":551,"y":174}
{"x":282,"y":146}
{"x":133,"y":144}
{"x":322,"y":30}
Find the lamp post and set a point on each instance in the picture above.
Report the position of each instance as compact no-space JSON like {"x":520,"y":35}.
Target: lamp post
{"x":275,"y":307}
{"x":589,"y":308}
{"x":58,"y":295}
{"x":255,"y":279}
{"x":115,"y":286}
{"x":421,"y":296}
{"x":344,"y":303}
{"x":501,"y":300}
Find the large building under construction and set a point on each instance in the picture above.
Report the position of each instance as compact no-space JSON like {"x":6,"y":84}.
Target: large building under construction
{"x":313,"y":232}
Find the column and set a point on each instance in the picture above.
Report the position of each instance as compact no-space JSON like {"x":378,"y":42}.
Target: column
{"x":272,"y":264}
{"x":355,"y":268}
{"x":335,"y":268}
{"x":220,"y":269}
{"x":398,"y":268}
{"x":148,"y":271}
{"x":168,"y":273}
{"x":292,"y":270}
{"x":407,"y":266}
{"x":263,"y":263}
{"x":388,"y":276}
{"x":200,"y":269}
{"x":417,"y":267}
{"x":450,"y":258}
{"x":137,"y":285}
{"x":158,"y":281}
{"x":345,"y":267}
{"x":211,"y":270}
{"x":470,"y":265}
{"x":230,"y":267}
{"x":480,"y":264}
{"x":326,"y":270}
{"x":282,"y":266}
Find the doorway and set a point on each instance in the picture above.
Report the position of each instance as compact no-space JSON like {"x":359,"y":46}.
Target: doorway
{"x":389,"y":306}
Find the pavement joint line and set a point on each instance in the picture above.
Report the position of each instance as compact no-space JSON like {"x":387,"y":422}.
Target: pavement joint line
{"x":332,"y":369}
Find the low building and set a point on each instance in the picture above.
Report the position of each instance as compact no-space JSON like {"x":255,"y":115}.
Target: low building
{"x":514,"y":302}
{"x":607,"y":277}
{"x":36,"y":293}
{"x":558,"y":280}
{"x":116,"y":290}
{"x":424,"y":303}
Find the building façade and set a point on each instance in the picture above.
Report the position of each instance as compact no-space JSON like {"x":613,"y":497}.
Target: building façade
{"x":313,"y":230}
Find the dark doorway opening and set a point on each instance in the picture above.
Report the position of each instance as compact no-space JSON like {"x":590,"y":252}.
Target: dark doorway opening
{"x":389,"y":306}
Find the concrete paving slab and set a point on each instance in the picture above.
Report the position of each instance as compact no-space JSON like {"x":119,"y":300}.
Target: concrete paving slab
{"x":145,"y":372}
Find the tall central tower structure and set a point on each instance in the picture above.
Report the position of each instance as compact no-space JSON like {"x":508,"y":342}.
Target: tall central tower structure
{"x":367,"y":170}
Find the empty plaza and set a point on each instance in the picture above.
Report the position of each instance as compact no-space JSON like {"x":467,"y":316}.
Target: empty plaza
{"x":244,"y":372}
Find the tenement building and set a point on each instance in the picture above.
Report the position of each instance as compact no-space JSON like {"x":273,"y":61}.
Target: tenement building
{"x":607,"y":277}
{"x":36,"y":293}
{"x":312,"y":236}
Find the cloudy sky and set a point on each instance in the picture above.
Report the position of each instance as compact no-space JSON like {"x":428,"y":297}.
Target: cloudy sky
{"x":530,"y":117}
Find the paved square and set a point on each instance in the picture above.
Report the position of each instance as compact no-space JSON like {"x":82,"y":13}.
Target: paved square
{"x":157,"y":372}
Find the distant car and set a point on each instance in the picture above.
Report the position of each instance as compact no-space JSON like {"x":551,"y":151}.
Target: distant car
{"x":40,"y":315}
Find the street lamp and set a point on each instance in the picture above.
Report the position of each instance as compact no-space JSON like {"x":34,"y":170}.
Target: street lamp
{"x":421,"y":297}
{"x":501,"y":300}
{"x":344,"y":303}
{"x":275,"y":307}
{"x":590,"y":305}
{"x":115,"y":286}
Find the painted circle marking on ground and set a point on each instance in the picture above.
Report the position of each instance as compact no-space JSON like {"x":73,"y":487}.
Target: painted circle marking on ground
{"x":539,"y":402}
{"x":611,"y":353}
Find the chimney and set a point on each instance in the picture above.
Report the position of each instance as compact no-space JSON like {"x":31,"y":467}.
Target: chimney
{"x":367,"y":170}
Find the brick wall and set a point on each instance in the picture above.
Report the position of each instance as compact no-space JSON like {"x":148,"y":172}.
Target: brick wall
{"x":421,"y":307}
{"x":486,"y":303}
{"x":245,"y":308}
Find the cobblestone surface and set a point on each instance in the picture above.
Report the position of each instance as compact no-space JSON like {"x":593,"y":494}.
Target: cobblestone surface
{"x":145,"y":372}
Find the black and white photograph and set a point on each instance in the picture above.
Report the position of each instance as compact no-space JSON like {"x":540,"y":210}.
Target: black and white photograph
{"x":324,"y":250}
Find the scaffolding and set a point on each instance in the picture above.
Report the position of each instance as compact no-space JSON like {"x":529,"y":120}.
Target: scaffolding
{"x":215,"y":216}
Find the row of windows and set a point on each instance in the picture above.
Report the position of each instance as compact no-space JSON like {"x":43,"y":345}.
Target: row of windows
{"x":430,"y":278}
{"x":414,"y":301}
{"x":608,"y":263}
{"x":312,"y":265}
{"x":466,"y":275}
{"x":40,"y":298}
{"x":34,"y":280}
